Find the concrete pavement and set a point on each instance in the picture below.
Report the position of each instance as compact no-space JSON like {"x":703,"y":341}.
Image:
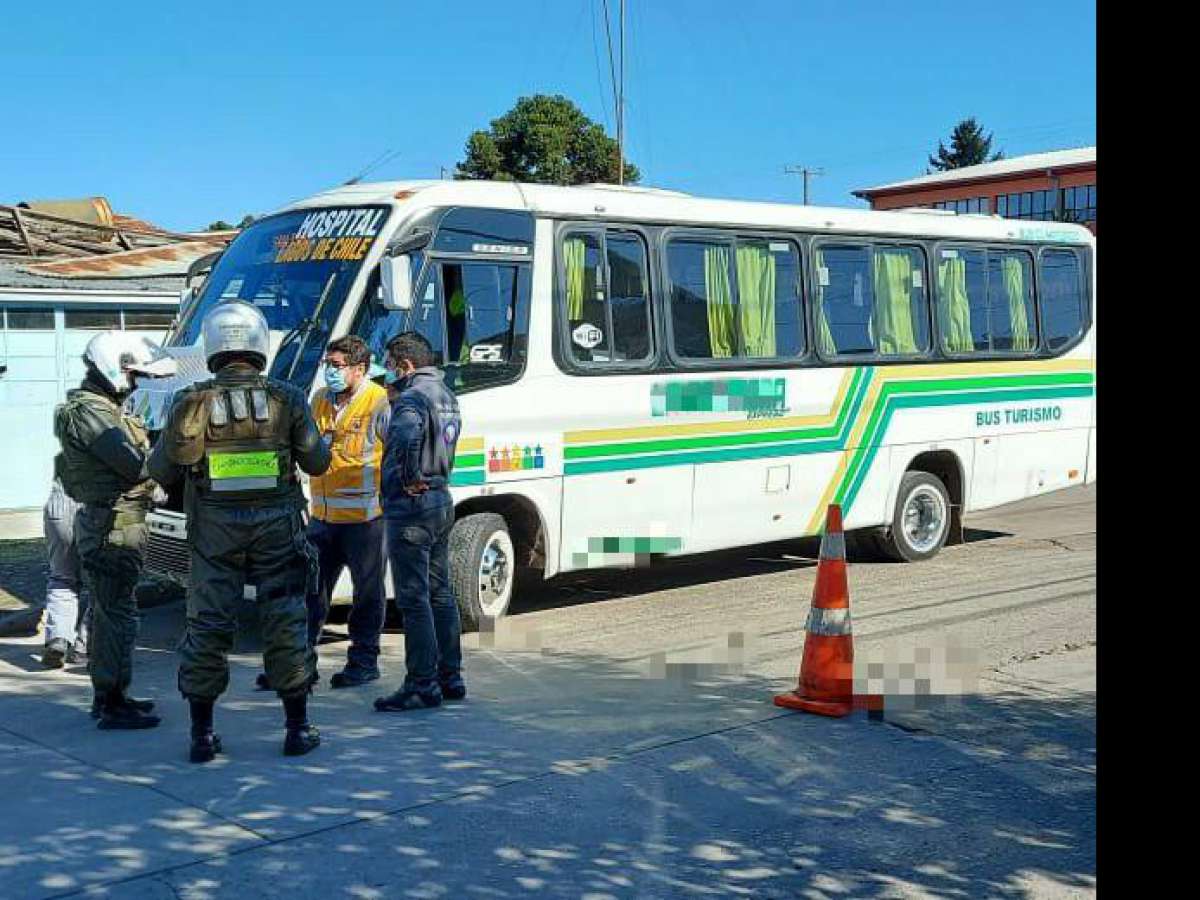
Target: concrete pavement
{"x":623,"y":747}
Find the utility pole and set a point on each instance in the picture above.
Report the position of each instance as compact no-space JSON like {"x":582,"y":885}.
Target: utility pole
{"x":806,"y":172}
{"x":621,"y":103}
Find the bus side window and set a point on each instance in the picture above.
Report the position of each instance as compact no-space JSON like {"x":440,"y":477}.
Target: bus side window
{"x":900,"y":320}
{"x":1063,"y":312}
{"x":962,"y":302}
{"x":628,"y":301}
{"x":605,"y":297}
{"x":587,"y":317}
{"x":1010,"y":301}
{"x":845,"y":301}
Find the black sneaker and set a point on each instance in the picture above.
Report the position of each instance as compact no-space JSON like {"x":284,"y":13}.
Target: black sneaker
{"x":402,"y":701}
{"x":353,"y":676}
{"x":77,"y":656}
{"x":300,"y":740}
{"x":205,"y":747}
{"x":54,"y":654}
{"x":142,"y":706}
{"x":454,"y":689}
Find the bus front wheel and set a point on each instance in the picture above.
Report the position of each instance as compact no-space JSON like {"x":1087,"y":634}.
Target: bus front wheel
{"x":921,"y":520}
{"x":482,"y":567}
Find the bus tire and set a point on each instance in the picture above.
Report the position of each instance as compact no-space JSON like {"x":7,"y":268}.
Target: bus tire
{"x":921,"y":520}
{"x":482,"y":568}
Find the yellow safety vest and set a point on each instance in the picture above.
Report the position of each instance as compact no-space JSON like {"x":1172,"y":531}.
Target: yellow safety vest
{"x":349,"y":489}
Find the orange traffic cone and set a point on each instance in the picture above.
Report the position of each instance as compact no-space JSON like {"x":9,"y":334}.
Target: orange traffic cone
{"x":826,"y":683}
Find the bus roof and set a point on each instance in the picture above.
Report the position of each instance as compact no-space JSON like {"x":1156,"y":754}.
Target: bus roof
{"x":639,"y":204}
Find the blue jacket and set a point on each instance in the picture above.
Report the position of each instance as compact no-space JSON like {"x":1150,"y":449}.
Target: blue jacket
{"x":420,"y":445}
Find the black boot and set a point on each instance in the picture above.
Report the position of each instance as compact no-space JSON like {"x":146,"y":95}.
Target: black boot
{"x":205,"y":744}
{"x":54,"y":654}
{"x":301,"y":737}
{"x":142,"y":706}
{"x":121,"y":713}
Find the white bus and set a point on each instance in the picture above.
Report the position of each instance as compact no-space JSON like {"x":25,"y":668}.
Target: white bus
{"x":646,"y":373}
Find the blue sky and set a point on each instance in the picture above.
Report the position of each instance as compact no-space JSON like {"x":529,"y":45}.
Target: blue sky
{"x":188,"y":113}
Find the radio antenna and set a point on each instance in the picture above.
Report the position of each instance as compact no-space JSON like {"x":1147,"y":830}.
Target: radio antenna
{"x":386,"y":156}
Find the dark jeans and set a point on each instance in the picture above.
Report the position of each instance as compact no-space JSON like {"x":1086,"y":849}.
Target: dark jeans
{"x":358,"y":545}
{"x":419,"y":551}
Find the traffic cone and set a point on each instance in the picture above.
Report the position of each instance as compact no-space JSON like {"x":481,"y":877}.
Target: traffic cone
{"x":826,"y":682}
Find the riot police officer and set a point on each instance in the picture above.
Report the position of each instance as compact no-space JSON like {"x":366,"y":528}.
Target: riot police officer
{"x":237,"y":438}
{"x":103,"y":466}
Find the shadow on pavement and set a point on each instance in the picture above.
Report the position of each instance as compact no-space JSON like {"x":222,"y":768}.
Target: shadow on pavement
{"x":562,"y":775}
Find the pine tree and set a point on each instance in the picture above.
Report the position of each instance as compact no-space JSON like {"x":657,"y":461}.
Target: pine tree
{"x":969,"y":146}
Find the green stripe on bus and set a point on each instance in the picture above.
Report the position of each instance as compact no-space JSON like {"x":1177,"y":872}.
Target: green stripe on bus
{"x":887,"y":403}
{"x":881,"y":418}
{"x":847,"y":413}
{"x":700,"y":456}
{"x":914,"y":390}
{"x":736,"y":439}
{"x":468,"y":461}
{"x":473,"y":476}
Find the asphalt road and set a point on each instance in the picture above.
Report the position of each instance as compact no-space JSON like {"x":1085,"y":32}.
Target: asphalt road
{"x":619,"y":741}
{"x":1022,"y":585}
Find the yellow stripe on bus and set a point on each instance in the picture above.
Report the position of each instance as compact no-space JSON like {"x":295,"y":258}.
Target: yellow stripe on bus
{"x":883,"y":374}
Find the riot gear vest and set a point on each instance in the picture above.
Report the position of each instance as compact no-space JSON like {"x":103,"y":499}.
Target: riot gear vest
{"x":103,"y":453}
{"x":233,"y":433}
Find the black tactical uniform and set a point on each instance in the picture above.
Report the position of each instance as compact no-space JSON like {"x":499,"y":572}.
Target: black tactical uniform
{"x":238,"y":439}
{"x":103,"y":466}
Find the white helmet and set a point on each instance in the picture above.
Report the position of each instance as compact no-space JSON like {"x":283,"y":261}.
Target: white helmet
{"x":235,"y":327}
{"x":114,"y":354}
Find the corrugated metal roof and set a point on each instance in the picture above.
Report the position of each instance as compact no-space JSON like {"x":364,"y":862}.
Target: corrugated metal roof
{"x":144,"y":262}
{"x":12,"y":277}
{"x":1001,"y":167}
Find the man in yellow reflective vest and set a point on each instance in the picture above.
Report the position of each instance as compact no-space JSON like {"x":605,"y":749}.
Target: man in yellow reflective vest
{"x":346,"y":525}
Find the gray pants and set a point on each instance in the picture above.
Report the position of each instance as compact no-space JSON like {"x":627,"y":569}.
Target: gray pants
{"x":67,"y":617}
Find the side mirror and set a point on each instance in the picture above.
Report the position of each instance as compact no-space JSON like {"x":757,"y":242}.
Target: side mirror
{"x":396,"y":278}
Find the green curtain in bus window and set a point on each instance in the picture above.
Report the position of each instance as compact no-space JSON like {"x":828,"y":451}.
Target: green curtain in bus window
{"x":756,"y":299}
{"x":719,"y":298}
{"x":954,"y":310}
{"x":825,"y":344}
{"x":574,"y":252}
{"x":1014,"y":286}
{"x":893,"y":320}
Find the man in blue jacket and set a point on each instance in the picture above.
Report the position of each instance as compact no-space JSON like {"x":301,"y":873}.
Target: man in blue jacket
{"x":417,"y":459}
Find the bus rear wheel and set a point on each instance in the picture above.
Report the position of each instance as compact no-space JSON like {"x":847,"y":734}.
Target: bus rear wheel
{"x":482,"y":568}
{"x":921,"y":520}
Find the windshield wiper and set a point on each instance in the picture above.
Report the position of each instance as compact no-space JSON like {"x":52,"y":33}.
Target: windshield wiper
{"x":306,"y":327}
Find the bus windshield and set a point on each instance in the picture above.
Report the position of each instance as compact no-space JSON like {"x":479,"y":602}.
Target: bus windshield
{"x":296,"y":268}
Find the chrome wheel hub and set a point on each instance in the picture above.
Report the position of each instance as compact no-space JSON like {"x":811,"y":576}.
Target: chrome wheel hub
{"x":495,"y":574}
{"x":924,"y":519}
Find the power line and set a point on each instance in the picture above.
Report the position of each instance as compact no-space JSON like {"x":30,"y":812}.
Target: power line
{"x":612,"y":70}
{"x":596,"y":58}
{"x":621,"y":106}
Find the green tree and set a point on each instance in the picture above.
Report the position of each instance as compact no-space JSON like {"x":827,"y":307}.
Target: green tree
{"x":969,"y":146}
{"x":222,"y":225}
{"x":546,"y":140}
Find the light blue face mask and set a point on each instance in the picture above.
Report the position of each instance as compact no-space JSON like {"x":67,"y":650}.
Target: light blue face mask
{"x":335,"y":378}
